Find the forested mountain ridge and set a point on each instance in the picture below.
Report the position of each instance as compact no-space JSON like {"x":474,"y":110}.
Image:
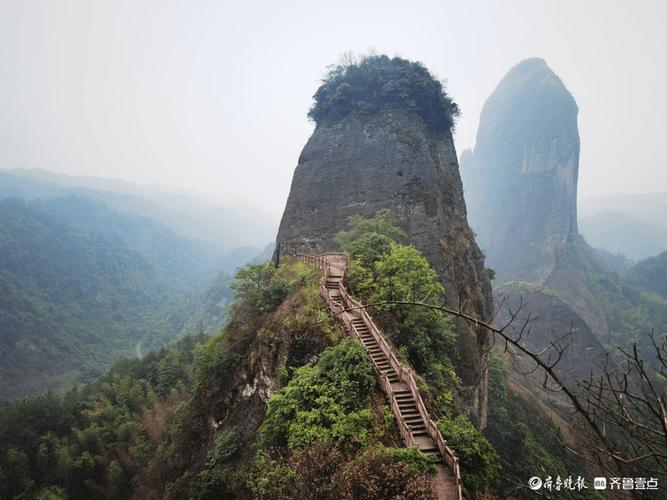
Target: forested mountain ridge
{"x":83,"y":285}
{"x":279,"y":405}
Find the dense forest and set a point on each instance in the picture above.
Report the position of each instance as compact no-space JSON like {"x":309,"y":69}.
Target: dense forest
{"x":83,"y":284}
{"x":188,"y":421}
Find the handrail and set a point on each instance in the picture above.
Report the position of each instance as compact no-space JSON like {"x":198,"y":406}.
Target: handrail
{"x":405,"y":374}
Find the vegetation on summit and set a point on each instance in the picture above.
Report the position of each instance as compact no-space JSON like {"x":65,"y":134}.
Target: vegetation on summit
{"x":375,"y":84}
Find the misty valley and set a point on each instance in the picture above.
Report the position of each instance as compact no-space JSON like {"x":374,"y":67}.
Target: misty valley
{"x":422,"y":323}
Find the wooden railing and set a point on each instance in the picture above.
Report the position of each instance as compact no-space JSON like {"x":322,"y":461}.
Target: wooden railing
{"x":405,"y":374}
{"x":314,"y":260}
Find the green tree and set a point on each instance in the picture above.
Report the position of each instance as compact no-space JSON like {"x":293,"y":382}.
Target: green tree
{"x":325,"y":401}
{"x":480,"y":464}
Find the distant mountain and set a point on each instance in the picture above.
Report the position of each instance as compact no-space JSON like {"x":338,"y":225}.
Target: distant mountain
{"x":82,"y":284}
{"x":631,"y":224}
{"x":649,"y":207}
{"x":187,"y":264}
{"x":194,"y":216}
{"x":520,"y":183}
{"x":652,"y":274}
{"x":615,"y":261}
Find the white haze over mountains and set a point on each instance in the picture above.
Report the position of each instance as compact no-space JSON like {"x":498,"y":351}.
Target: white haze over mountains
{"x":212,"y":96}
{"x":226,"y":226}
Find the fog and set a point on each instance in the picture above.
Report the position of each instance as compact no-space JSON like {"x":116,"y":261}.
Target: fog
{"x":212,"y":96}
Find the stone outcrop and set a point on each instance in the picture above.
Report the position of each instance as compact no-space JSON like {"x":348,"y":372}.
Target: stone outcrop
{"x":550,"y":320}
{"x":521,"y":187}
{"x":359,"y":165}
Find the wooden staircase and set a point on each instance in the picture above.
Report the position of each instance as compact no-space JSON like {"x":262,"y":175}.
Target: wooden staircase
{"x":397,"y":381}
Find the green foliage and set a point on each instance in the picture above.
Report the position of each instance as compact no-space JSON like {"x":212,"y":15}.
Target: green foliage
{"x":213,"y":360}
{"x":94,"y":440}
{"x":325,"y":401}
{"x":632,"y":310}
{"x":404,"y":274}
{"x":364,"y":233}
{"x":117,"y":434}
{"x":415,"y":459}
{"x":213,"y":480}
{"x":376,"y":84}
{"x":480,"y":464}
{"x":528,"y":445}
{"x":270,"y":478}
{"x":381,"y":270}
{"x":263,"y":287}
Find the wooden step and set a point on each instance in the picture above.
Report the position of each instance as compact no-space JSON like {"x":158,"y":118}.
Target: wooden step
{"x":406,"y":402}
{"x":416,"y":419}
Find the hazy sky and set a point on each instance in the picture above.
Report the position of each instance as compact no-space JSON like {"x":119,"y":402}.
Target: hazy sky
{"x":213,"y":95}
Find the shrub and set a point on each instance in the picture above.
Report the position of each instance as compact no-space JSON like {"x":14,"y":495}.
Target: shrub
{"x":214,"y":360}
{"x":325,"y":401}
{"x":378,"y":83}
{"x":415,"y":459}
{"x":212,"y":481}
{"x":480,"y":464}
{"x":379,"y":475}
{"x":326,"y":471}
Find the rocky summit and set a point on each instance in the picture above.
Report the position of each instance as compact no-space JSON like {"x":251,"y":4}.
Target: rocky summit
{"x":359,"y":162}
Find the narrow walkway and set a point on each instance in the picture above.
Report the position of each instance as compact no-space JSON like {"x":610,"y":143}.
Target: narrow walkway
{"x":416,"y":426}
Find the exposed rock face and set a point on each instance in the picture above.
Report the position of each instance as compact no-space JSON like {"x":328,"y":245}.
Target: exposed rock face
{"x":521,"y":187}
{"x":358,"y":166}
{"x":551,"y":319}
{"x":521,"y":179}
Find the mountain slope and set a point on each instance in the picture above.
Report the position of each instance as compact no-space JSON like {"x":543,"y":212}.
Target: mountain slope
{"x":82,"y":285}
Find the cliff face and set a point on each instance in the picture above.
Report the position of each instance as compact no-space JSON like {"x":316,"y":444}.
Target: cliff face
{"x":357,"y":166}
{"x":521,"y":179}
{"x":521,"y":188}
{"x":550,"y":318}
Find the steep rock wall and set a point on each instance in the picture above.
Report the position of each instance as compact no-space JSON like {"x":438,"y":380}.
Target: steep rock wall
{"x":521,"y":187}
{"x":357,"y":166}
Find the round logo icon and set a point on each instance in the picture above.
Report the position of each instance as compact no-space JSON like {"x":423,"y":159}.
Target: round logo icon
{"x":535,"y":483}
